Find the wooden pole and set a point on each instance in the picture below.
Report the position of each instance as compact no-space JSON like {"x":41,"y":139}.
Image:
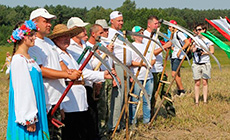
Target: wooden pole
{"x":162,"y":74}
{"x":125,"y":94}
{"x":178,"y":69}
{"x":131,"y":89}
{"x":67,"y":90}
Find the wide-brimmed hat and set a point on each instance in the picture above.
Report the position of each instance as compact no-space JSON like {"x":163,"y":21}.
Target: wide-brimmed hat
{"x":61,"y":30}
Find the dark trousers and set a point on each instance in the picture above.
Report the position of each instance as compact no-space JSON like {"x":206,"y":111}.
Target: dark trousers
{"x":55,"y":133}
{"x":76,"y":126}
{"x":93,"y":113}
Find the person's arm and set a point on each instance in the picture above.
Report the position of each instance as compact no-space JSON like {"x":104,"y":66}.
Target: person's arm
{"x":166,"y":46}
{"x":138,"y":64}
{"x":193,"y":48}
{"x":211,"y":49}
{"x":153,"y":62}
{"x":56,"y":74}
{"x":184,"y":46}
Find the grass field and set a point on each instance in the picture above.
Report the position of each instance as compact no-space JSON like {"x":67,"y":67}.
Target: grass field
{"x":206,"y":121}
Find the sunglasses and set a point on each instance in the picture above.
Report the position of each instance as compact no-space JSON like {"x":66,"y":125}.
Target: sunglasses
{"x":199,"y":29}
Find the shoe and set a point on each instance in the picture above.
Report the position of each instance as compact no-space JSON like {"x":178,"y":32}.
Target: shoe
{"x":181,"y":93}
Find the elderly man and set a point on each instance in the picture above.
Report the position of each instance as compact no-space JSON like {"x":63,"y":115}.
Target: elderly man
{"x":117,"y":98}
{"x":53,"y":68}
{"x":104,"y":25}
{"x":153,"y":24}
{"x":75,"y":115}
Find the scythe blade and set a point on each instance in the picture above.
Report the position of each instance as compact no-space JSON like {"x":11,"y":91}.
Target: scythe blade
{"x":103,"y":49}
{"x":190,"y":35}
{"x":162,"y":35}
{"x":108,"y":68}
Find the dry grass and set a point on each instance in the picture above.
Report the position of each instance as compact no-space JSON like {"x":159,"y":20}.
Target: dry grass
{"x":207,"y":121}
{"x":210,"y":121}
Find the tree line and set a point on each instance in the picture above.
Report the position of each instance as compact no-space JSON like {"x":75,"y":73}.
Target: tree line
{"x":188,"y":18}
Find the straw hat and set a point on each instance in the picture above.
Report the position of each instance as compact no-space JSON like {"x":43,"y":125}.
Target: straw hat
{"x":61,"y":30}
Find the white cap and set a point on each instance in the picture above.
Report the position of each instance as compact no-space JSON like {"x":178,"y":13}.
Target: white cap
{"x":103,"y":23}
{"x":76,"y":21}
{"x":115,"y":14}
{"x":41,"y":12}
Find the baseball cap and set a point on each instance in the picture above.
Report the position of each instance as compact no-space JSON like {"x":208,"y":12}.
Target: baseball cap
{"x":115,"y":14}
{"x":76,"y":21}
{"x":103,"y":23}
{"x":137,"y":29}
{"x":173,"y":22}
{"x":41,"y":12}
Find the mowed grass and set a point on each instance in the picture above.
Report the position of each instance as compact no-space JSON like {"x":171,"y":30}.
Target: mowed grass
{"x":207,"y":121}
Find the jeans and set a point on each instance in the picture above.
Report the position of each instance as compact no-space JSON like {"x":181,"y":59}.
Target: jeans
{"x":146,"y":108}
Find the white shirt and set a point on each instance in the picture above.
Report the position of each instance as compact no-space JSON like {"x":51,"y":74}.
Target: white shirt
{"x":118,"y":50}
{"x":136,"y":58}
{"x":158,"y":66}
{"x":204,"y":58}
{"x":75,"y":50}
{"x":182,"y":37}
{"x":45,"y":53}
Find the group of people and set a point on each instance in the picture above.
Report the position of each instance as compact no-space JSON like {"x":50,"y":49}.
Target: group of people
{"x":45,"y":63}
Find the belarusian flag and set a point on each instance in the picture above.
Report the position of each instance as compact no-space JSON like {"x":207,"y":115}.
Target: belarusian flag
{"x":218,"y":42}
{"x":222,"y":26}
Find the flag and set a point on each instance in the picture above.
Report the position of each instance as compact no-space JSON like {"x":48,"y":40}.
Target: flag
{"x":218,"y":42}
{"x":227,"y":19}
{"x":222,"y":26}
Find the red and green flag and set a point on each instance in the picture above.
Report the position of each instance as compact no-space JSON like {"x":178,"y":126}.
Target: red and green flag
{"x":218,"y":42}
{"x":222,"y":26}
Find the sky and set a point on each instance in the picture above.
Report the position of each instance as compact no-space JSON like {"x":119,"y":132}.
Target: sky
{"x":194,"y":4}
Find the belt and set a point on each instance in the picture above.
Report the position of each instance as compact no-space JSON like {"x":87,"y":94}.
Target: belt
{"x":200,"y":63}
{"x":75,"y":82}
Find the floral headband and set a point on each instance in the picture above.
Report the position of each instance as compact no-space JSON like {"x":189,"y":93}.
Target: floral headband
{"x":25,"y":29}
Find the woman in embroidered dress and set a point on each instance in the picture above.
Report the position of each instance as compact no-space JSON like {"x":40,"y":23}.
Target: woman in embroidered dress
{"x":27,"y":111}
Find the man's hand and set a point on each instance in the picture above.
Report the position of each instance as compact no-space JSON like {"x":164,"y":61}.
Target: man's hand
{"x":76,"y":74}
{"x":110,"y":47}
{"x":31,"y":127}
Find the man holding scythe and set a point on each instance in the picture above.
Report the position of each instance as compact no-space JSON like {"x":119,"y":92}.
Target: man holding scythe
{"x":177,"y":55}
{"x":153,"y":24}
{"x":117,"y":98}
{"x":75,"y":115}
